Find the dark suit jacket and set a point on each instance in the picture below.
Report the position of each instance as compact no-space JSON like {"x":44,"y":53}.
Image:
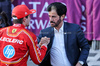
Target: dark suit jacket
{"x":74,"y":41}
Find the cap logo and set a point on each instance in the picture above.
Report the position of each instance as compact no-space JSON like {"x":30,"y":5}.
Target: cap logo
{"x":33,"y":11}
{"x":25,"y":13}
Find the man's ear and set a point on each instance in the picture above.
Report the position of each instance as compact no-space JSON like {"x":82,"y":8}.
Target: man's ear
{"x":62,"y":17}
{"x":24,"y":19}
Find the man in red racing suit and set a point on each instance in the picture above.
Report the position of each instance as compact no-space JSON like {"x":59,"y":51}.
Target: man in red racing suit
{"x":17,"y":43}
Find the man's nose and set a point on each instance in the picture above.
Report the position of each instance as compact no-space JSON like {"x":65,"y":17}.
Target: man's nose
{"x":51,"y":19}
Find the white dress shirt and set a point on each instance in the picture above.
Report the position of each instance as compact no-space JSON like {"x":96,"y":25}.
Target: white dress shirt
{"x":58,"y":55}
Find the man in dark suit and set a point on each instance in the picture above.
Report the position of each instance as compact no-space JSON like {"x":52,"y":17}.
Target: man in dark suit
{"x":68,"y":46}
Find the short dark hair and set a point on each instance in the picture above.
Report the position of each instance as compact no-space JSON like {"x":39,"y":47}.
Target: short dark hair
{"x":59,"y":7}
{"x":18,"y":21}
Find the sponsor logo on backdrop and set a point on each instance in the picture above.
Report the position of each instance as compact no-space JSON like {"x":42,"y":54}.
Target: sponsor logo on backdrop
{"x":83,"y":19}
{"x":40,"y":19}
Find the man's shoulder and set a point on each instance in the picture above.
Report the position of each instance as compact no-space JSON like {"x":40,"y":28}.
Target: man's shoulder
{"x":47,"y":29}
{"x":70,"y":24}
{"x":1,"y":29}
{"x":29,"y":32}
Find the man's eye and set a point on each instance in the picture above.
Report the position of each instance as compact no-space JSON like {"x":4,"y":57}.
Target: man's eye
{"x":54,"y":16}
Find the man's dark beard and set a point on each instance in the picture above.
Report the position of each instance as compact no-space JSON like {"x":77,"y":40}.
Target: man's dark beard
{"x":58,"y":22}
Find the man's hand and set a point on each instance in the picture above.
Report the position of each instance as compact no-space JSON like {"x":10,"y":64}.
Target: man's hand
{"x":44,"y":41}
{"x":78,"y":64}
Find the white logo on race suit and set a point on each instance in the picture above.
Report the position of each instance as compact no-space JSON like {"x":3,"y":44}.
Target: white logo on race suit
{"x":9,"y":51}
{"x":11,"y":40}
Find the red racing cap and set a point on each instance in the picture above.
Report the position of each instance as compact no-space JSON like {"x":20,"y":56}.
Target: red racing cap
{"x":21,"y":11}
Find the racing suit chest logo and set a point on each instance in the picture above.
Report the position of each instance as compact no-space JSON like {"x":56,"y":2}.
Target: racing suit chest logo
{"x":14,"y":30}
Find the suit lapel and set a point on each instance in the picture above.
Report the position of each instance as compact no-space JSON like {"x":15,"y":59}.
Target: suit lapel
{"x":65,"y":36}
{"x":51,"y":37}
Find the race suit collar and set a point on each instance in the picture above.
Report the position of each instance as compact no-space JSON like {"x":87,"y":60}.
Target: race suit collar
{"x":18,"y":25}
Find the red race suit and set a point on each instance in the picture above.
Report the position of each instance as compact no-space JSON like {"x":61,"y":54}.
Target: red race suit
{"x":16,"y":44}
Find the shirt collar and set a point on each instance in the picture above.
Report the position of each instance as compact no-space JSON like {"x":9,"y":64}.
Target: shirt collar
{"x":61,"y":29}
